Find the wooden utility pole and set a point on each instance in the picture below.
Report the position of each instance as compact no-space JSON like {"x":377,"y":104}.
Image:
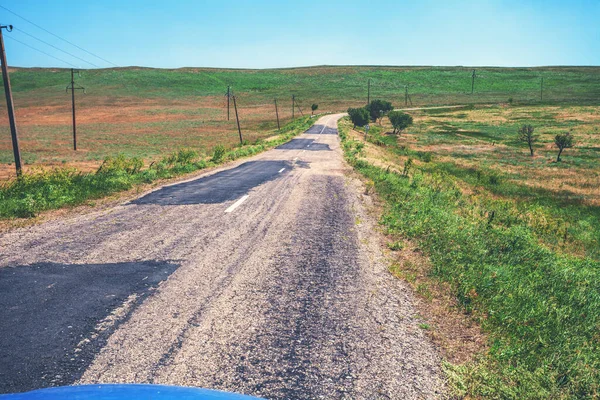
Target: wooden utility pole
{"x":9,"y":103}
{"x":277,"y":114}
{"x":405,"y":95}
{"x":542,"y":89}
{"x":473,"y":82}
{"x":72,"y":88}
{"x":293,"y":105}
{"x":228,"y":96}
{"x":299,"y":109}
{"x":369,"y":92}
{"x":238,"y":120}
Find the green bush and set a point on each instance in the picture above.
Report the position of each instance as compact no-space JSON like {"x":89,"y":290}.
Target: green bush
{"x":358,"y":116}
{"x":400,"y":121}
{"x":119,"y":164}
{"x":183,"y":156}
{"x":218,"y":153}
{"x":378,"y":108}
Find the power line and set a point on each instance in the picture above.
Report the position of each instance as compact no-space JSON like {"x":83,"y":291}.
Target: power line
{"x":59,"y":49}
{"x":43,"y":52}
{"x":64,"y":40}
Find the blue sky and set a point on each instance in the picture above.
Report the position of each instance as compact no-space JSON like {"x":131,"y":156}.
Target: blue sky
{"x":269,"y":34}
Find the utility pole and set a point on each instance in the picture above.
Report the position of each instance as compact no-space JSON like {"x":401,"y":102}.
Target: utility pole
{"x":228,"y":96}
{"x":369,"y":92}
{"x":299,"y":109}
{"x":293,"y":105}
{"x":542,"y":89}
{"x":277,"y":114}
{"x":407,"y":98}
{"x":238,"y":120}
{"x":72,"y":87}
{"x":9,"y":103}
{"x":473,"y":82}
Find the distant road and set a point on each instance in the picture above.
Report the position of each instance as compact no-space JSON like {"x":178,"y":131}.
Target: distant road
{"x":262,"y":277}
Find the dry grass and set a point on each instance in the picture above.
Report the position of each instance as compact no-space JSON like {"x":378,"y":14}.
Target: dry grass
{"x":469,"y":146}
{"x":139,"y":127}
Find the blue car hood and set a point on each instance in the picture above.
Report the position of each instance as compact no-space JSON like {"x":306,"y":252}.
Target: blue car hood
{"x":125,"y":391}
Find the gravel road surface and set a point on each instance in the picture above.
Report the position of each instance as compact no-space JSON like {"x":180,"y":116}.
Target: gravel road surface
{"x":264,"y":277}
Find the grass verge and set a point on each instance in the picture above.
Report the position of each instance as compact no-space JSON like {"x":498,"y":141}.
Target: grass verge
{"x":46,"y":190}
{"x":540,"y":307}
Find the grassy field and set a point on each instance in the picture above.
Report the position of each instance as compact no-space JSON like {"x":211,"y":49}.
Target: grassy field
{"x":516,"y":237}
{"x":147,"y":113}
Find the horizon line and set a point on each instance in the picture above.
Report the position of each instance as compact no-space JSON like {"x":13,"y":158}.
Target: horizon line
{"x":321,"y":66}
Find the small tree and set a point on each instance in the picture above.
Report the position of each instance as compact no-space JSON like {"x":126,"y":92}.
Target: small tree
{"x":526,"y":135}
{"x":400,"y":120}
{"x":358,"y":116}
{"x":378,"y":108}
{"x":563,"y":141}
{"x":313,"y":108}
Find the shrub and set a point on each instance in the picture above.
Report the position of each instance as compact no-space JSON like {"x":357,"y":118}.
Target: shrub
{"x":494,"y":179}
{"x":526,"y":135}
{"x":407,"y":166}
{"x":218,"y":153}
{"x":120,"y":164}
{"x":358,"y":116}
{"x":313,"y":108}
{"x":353,"y":148}
{"x":563,"y":141}
{"x":400,"y":121}
{"x":183,"y":156}
{"x":426,"y":156}
{"x":378,"y":108}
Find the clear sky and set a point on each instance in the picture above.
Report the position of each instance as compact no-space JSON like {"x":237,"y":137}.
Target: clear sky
{"x":280,"y":33}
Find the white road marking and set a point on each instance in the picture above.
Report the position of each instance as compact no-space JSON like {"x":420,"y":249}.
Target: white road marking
{"x":324,"y":126}
{"x":236,"y":204}
{"x":281,"y":170}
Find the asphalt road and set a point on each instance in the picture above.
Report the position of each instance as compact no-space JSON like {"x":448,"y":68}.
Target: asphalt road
{"x":262,"y":278}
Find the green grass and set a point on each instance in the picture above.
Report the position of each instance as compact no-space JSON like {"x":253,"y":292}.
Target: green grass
{"x":539,"y":304}
{"x":323,"y":85}
{"x":33,"y":193}
{"x":522,"y":191}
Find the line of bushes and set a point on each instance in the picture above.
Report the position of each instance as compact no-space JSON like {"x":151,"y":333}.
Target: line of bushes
{"x":541,"y":308}
{"x":36,"y":192}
